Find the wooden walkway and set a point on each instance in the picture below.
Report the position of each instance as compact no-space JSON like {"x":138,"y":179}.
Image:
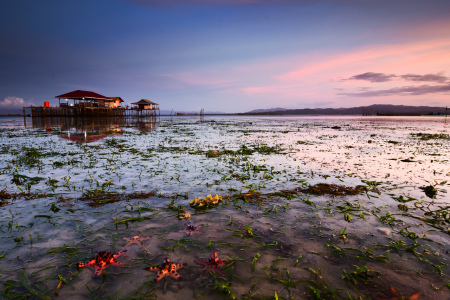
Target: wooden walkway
{"x":92,"y":124}
{"x":80,"y":111}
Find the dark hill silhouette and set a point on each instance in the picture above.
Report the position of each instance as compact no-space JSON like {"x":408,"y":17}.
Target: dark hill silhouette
{"x":376,"y":109}
{"x":267,"y":110}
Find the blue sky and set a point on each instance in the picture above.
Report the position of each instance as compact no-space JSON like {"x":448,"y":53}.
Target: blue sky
{"x":224,"y":55}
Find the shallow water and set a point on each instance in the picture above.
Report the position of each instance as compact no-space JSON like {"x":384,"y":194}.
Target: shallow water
{"x":278,"y":242}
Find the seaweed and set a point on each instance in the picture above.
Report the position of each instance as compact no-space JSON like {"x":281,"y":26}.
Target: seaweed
{"x":97,"y":198}
{"x":431,"y":136}
{"x":430,"y":191}
{"x":321,"y":189}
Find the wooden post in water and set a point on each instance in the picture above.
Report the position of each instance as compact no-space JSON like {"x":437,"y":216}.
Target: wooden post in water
{"x":445,"y":121}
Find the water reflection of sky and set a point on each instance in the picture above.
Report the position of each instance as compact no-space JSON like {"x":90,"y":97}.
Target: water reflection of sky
{"x":335,"y":149}
{"x":86,"y":130}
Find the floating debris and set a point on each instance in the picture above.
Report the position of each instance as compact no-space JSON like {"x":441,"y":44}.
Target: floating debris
{"x":204,"y":203}
{"x":3,"y":197}
{"x":184,"y":215}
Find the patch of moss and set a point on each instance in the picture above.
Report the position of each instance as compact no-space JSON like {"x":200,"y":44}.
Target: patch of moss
{"x":429,"y":136}
{"x":102,"y":198}
{"x":430,"y":191}
{"x":321,"y":189}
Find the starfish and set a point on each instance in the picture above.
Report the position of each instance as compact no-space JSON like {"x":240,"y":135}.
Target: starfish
{"x":191,"y":229}
{"x":414,"y":296}
{"x":213,"y":264}
{"x":137,"y":239}
{"x":168,"y":268}
{"x":101,"y":261}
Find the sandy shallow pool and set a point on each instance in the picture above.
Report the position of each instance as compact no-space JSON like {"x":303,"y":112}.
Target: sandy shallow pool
{"x":306,"y":207}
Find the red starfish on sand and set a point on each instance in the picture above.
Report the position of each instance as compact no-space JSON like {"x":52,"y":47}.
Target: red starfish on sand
{"x":101,"y":261}
{"x":414,"y":296}
{"x":138,"y":239}
{"x":213,"y":264}
{"x":168,"y":268}
{"x":191,"y":229}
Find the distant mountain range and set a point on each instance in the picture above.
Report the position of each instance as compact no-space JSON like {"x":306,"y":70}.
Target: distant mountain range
{"x":266,"y":110}
{"x":371,"y":110}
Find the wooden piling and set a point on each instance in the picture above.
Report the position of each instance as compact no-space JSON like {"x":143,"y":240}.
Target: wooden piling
{"x":75,"y":111}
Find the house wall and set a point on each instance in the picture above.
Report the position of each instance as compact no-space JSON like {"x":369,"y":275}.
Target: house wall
{"x":145,"y":106}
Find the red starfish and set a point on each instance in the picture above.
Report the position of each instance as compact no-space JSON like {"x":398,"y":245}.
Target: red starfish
{"x":191,"y":229}
{"x":166,"y":269}
{"x":138,"y":239}
{"x":414,"y":296}
{"x":213,"y":264}
{"x":101,"y":261}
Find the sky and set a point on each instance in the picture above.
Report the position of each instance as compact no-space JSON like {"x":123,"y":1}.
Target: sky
{"x":227,"y":55}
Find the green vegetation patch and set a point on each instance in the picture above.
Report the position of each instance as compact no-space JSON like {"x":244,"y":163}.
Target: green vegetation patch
{"x":97,"y":198}
{"x":430,"y":191}
{"x":19,"y":179}
{"x":429,"y":136}
{"x":321,"y":189}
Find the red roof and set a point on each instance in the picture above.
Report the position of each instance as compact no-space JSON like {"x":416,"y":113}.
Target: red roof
{"x":86,"y":95}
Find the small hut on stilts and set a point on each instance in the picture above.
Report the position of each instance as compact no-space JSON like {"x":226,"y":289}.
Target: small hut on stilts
{"x":145,"y":107}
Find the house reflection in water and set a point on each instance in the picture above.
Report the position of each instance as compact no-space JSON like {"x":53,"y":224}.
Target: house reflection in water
{"x":146,"y":126}
{"x":88,"y":136}
{"x":85,"y":130}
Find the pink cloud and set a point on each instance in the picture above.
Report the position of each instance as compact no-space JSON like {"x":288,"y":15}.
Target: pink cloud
{"x":399,"y":58}
{"x":320,"y":76}
{"x":14,"y":102}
